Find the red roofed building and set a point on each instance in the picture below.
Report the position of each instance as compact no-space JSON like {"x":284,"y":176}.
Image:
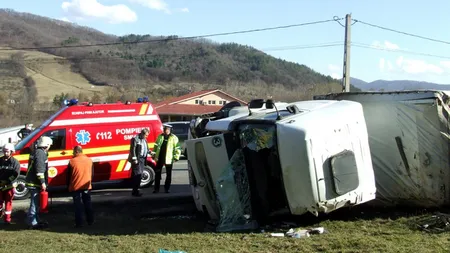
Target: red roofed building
{"x":194,"y":104}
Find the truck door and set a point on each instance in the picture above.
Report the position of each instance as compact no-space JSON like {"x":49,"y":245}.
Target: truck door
{"x":58,"y":156}
{"x":209,"y":158}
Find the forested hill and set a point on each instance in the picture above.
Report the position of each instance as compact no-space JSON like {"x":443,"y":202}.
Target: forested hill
{"x":162,"y":60}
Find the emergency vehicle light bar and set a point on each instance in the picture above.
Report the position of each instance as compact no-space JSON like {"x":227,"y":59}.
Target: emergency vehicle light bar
{"x":73,"y":101}
{"x":143,"y":100}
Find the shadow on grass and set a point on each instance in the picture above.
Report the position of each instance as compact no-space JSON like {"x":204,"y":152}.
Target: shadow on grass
{"x":180,"y":216}
{"x":136,"y":218}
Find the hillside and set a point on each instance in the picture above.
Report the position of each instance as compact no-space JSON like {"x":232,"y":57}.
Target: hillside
{"x":55,"y":76}
{"x":165,"y":66}
{"x":386,"y":85}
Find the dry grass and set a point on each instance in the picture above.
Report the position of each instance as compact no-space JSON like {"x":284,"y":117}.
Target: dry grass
{"x":52,"y":74}
{"x":124,"y":230}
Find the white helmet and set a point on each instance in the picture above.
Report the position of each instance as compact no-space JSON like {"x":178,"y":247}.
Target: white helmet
{"x":44,"y":142}
{"x":9,"y":147}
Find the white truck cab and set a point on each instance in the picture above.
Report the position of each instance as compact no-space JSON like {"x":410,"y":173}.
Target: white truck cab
{"x":248,"y":164}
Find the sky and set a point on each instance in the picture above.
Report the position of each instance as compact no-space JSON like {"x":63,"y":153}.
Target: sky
{"x":375,"y":53}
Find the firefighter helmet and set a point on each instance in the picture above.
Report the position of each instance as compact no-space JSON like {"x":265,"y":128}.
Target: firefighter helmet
{"x":9,"y":147}
{"x":44,"y":142}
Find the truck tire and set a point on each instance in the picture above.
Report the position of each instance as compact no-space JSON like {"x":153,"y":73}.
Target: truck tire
{"x":148,"y":177}
{"x":21,"y":192}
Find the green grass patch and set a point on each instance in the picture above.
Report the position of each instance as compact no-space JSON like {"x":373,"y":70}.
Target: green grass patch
{"x":123,"y":229}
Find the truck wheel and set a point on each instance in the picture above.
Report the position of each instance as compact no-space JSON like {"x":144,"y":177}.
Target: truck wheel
{"x":148,"y":177}
{"x":21,"y":191}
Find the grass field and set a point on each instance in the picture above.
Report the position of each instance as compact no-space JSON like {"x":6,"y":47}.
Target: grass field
{"x":123,"y":229}
{"x":52,"y":76}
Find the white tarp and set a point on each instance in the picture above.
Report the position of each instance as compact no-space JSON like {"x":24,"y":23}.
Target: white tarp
{"x":409,"y":145}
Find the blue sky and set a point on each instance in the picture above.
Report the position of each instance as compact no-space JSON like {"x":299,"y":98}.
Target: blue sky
{"x":198,"y":17}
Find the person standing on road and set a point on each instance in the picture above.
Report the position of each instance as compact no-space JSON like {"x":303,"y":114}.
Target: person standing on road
{"x":24,"y":132}
{"x":167,"y":151}
{"x":37,"y":180}
{"x":79,"y":181}
{"x":137,"y":157}
{"x":9,"y":171}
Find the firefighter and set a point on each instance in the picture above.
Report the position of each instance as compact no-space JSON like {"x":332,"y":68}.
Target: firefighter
{"x":79,"y":181}
{"x":137,"y":157}
{"x":24,"y":132}
{"x":37,"y":180}
{"x":166,"y":150}
{"x":9,"y":171}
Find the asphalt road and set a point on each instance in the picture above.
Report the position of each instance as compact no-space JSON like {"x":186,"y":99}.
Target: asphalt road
{"x":179,"y":188}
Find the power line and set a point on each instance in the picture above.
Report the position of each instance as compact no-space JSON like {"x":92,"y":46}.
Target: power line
{"x":401,"y":32}
{"x":175,"y":38}
{"x":153,"y":56}
{"x":362,"y":45}
{"x":295,"y":47}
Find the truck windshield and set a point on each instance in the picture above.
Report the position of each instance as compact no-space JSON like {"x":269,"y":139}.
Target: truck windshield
{"x":258,"y":142}
{"x":27,"y":139}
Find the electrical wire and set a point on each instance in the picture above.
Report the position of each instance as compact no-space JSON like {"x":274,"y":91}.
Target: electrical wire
{"x":401,"y":32}
{"x":295,"y":47}
{"x":155,"y":56}
{"x":174,"y":38}
{"x":362,"y":45}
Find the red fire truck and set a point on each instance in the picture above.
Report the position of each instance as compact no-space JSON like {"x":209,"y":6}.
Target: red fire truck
{"x":104,"y":132}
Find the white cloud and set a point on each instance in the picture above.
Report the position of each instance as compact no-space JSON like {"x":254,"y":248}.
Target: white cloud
{"x":382,"y":64}
{"x":385,"y":45}
{"x":390,"y":66}
{"x":412,"y":66}
{"x":336,"y":76}
{"x":113,"y":14}
{"x":64,"y":19}
{"x":445,"y":64}
{"x":333,"y":67}
{"x":334,"y":71}
{"x":158,"y":5}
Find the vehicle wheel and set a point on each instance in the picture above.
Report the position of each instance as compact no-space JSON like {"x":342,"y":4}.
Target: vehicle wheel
{"x":21,"y":191}
{"x":148,"y":177}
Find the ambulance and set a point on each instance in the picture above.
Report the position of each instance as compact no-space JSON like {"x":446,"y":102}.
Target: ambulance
{"x":104,"y":131}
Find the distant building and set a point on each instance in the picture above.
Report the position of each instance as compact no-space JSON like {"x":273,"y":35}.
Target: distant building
{"x":194,"y":104}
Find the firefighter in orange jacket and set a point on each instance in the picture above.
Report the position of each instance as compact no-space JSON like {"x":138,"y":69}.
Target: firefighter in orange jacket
{"x":9,"y":171}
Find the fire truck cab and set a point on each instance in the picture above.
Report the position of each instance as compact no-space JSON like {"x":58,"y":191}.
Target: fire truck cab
{"x":104,"y":131}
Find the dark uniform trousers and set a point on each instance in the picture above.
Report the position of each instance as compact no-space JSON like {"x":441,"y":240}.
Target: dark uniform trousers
{"x":137,"y":170}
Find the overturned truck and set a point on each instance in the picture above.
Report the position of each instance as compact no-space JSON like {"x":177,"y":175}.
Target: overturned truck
{"x":247,"y":164}
{"x":409,"y":143}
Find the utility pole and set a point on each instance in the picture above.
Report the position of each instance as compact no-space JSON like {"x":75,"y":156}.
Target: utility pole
{"x":346,"y":74}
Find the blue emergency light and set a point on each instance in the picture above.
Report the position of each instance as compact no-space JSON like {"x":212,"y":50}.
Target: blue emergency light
{"x":73,"y":101}
{"x":145,"y":99}
{"x":140,"y":100}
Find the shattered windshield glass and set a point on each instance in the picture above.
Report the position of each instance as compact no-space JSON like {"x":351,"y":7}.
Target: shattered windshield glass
{"x":257,"y":137}
{"x":233,"y":193}
{"x":243,"y":189}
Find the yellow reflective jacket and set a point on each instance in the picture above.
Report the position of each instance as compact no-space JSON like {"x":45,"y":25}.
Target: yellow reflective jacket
{"x":173,"y":148}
